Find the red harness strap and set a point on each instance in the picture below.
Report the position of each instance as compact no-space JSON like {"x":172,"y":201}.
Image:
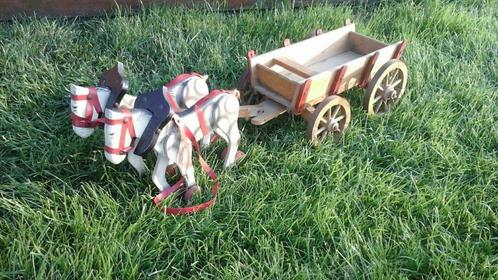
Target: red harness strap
{"x":178,"y":79}
{"x":185,"y":131}
{"x":169,"y":191}
{"x":93,"y":103}
{"x":126,"y":126}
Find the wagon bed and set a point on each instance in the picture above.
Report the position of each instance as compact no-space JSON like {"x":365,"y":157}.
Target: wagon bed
{"x":299,"y":77}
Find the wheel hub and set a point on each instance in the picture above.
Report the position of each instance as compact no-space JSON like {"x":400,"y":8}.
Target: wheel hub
{"x":389,"y":93}
{"x":332,"y":126}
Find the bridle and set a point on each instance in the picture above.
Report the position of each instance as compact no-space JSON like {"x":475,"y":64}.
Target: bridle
{"x":126,"y":126}
{"x":93,"y":102}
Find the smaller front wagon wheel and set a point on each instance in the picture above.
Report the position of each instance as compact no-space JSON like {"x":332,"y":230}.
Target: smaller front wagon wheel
{"x":330,"y":117}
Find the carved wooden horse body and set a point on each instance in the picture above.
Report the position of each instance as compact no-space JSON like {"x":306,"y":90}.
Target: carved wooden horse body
{"x":217,"y":112}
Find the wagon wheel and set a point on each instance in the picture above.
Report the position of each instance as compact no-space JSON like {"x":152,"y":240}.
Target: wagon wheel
{"x":331,"y":117}
{"x":248,"y":95}
{"x":386,"y":88}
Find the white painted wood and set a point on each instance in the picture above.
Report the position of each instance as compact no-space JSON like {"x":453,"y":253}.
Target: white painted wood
{"x":221,"y":114}
{"x":195,"y":89}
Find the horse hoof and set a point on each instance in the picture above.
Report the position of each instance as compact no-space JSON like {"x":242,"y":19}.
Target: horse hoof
{"x":238,"y":155}
{"x":171,"y":170}
{"x":187,"y":196}
{"x":214,"y":138}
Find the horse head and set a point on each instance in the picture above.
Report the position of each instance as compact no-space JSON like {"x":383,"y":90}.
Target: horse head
{"x":122,"y":127}
{"x":87,"y":105}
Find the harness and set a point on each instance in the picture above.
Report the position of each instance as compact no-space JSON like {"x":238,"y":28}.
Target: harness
{"x":169,"y":96}
{"x":93,"y":102}
{"x":162,"y":105}
{"x":187,"y":133}
{"x":126,"y":126}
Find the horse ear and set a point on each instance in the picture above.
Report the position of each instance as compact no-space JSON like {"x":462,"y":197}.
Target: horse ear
{"x":205,"y":77}
{"x":74,"y":89}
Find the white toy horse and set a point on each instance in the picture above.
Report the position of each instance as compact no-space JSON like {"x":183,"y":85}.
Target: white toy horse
{"x":87,"y":105}
{"x":217,"y":112}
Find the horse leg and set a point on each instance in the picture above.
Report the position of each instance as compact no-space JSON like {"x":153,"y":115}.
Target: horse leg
{"x":232,"y":137}
{"x":159,"y":173}
{"x":137,"y":162}
{"x":206,"y":141}
{"x":186,"y":168}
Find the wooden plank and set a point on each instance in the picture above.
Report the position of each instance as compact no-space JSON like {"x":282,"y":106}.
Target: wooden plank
{"x":334,"y":61}
{"x":295,"y":67}
{"x":302,"y":97}
{"x":400,"y":49}
{"x":276,"y":82}
{"x":267,"y":110}
{"x":13,"y":8}
{"x":273,"y":96}
{"x":338,"y":76}
{"x":364,"y":45}
{"x":367,"y":71}
{"x":303,"y":52}
{"x":54,"y":8}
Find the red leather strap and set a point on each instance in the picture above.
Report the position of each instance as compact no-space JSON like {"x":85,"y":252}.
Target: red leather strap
{"x":170,"y":98}
{"x":180,"y":78}
{"x":205,"y":167}
{"x":93,"y":102}
{"x":126,"y":126}
{"x":82,"y":122}
{"x":201,"y":120}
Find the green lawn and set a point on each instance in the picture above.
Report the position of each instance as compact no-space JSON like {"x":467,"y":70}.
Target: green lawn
{"x":412,"y":194}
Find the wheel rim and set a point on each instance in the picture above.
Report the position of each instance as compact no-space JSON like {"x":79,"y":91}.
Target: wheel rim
{"x":331,"y":119}
{"x":386,"y":88}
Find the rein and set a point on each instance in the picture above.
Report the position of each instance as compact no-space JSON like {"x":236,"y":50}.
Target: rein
{"x":187,"y":133}
{"x":126,"y":126}
{"x":93,"y":102}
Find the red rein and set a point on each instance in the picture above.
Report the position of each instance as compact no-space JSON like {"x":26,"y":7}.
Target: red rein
{"x":92,"y":103}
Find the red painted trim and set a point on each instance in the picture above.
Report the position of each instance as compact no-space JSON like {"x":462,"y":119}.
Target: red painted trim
{"x":301,"y":97}
{"x":334,"y":88}
{"x":400,"y":49}
{"x":250,"y":54}
{"x":368,"y":69}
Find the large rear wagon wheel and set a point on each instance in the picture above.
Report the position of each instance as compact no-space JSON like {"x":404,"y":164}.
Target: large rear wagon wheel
{"x":248,"y":96}
{"x":330,"y":117}
{"x":386,"y":88}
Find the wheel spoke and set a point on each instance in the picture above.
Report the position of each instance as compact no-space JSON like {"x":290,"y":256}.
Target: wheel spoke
{"x":329,"y":113}
{"x":395,"y":83}
{"x":339,"y":118}
{"x":394,"y":76}
{"x":323,"y":120}
{"x":335,"y":112}
{"x":377,"y":98}
{"x":378,"y":106}
{"x":320,"y":131}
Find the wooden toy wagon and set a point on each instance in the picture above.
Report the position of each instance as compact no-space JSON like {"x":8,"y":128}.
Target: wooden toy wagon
{"x":307,"y":78}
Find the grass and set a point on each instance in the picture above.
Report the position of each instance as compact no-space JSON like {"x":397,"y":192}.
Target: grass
{"x":410,"y":195}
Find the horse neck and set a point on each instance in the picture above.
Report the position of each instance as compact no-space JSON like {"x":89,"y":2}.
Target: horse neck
{"x":140,"y":120}
{"x":103,"y":96}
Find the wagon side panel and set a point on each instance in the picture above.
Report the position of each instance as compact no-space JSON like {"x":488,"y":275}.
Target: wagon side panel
{"x":301,"y":52}
{"x":275,"y":82}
